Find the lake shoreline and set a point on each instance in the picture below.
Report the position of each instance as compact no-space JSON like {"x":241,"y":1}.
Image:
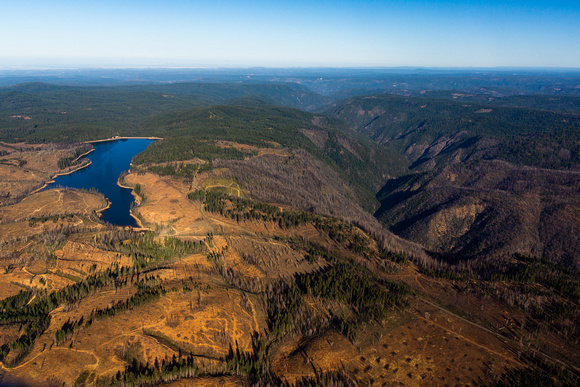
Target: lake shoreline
{"x":138,"y":221}
{"x":110,"y":159}
{"x":46,"y":183}
{"x":123,"y":138}
{"x":100,"y":211}
{"x":84,"y":154}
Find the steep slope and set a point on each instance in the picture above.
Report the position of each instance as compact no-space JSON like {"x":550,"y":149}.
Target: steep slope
{"x":362,"y":164}
{"x":486,"y":209}
{"x":458,"y":202}
{"x":433,"y":132}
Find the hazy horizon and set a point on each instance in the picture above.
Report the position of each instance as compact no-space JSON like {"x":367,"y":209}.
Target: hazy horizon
{"x":65,"y":66}
{"x":341,"y":34}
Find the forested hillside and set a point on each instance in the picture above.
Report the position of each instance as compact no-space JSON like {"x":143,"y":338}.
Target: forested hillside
{"x":487,"y":209}
{"x":559,"y":103}
{"x":38,"y":112}
{"x":485,"y":180}
{"x":362,"y":164}
{"x":436,"y":131}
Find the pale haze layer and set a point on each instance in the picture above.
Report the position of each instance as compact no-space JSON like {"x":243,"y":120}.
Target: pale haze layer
{"x":290,"y":33}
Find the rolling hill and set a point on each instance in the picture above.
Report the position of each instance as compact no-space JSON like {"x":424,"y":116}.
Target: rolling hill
{"x":363,"y":165}
{"x":485,"y":179}
{"x":434,"y":132}
{"x":38,"y":112}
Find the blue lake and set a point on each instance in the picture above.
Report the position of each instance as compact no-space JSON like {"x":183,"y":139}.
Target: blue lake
{"x":108,"y":160}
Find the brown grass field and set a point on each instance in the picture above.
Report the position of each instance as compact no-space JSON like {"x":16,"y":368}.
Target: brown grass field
{"x":52,"y":202}
{"x":424,"y":346}
{"x":446,"y":337}
{"x":166,"y":207}
{"x":24,"y":224}
{"x":27,"y":167}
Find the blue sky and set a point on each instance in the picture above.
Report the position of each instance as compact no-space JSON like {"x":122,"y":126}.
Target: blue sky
{"x":127,"y":33}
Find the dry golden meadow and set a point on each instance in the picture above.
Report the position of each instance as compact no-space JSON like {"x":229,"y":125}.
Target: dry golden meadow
{"x":204,"y":316}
